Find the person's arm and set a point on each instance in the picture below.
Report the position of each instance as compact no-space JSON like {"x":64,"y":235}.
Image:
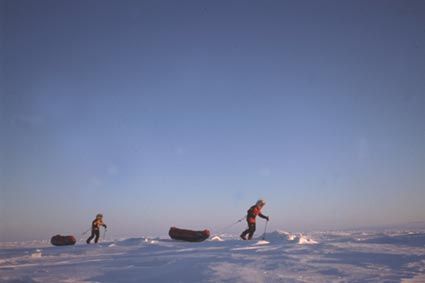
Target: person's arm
{"x":263,"y":216}
{"x":102,"y":224}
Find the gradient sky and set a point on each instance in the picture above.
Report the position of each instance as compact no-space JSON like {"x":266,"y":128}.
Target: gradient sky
{"x":160,"y":113}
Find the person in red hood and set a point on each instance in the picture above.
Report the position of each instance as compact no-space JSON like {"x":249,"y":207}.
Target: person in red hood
{"x":250,"y":218}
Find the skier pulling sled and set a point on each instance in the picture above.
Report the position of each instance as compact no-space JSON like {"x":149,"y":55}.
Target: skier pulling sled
{"x":250,"y":218}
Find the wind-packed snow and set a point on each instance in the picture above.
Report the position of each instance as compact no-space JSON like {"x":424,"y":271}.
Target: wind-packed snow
{"x":279,"y":257}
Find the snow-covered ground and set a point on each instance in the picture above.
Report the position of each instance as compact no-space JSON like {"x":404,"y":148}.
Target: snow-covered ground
{"x":282,"y":257}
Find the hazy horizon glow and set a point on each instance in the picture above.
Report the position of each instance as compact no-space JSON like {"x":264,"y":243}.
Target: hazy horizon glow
{"x":161,"y":113}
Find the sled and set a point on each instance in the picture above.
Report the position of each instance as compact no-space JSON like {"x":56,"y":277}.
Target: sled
{"x":188,"y":235}
{"x":59,"y":240}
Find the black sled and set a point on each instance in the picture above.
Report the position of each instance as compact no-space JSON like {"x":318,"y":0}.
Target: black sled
{"x":59,"y":240}
{"x":188,"y":235}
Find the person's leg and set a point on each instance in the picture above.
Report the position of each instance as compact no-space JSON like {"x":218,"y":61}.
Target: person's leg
{"x":251,"y":230}
{"x":243,"y":235}
{"x":91,"y":237}
{"x":97,"y":236}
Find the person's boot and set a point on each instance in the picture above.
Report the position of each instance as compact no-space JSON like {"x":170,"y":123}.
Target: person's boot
{"x":243,"y":236}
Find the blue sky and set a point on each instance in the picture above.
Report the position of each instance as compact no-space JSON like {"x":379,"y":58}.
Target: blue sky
{"x":160,"y":113}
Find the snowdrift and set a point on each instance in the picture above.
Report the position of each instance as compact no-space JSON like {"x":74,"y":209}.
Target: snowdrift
{"x":279,"y":236}
{"x":410,"y":239}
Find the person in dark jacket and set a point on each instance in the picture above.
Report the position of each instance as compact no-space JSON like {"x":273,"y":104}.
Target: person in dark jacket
{"x":250,"y":218}
{"x":95,"y":226}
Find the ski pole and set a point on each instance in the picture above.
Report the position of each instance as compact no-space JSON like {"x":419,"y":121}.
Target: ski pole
{"x":104,"y":234}
{"x":265,"y":229}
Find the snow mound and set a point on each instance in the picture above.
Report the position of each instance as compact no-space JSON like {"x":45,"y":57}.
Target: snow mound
{"x":217,"y":239}
{"x":262,"y":242}
{"x":36,"y":254}
{"x":133,"y":241}
{"x":279,"y":236}
{"x":306,"y":241}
